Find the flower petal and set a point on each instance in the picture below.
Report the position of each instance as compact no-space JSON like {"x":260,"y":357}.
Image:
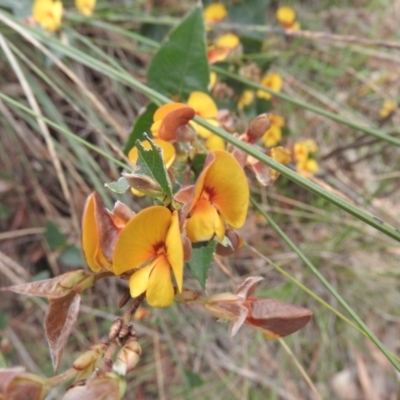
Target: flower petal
{"x":90,"y":236}
{"x":204,"y":223}
{"x":227,"y":185}
{"x":174,"y":249}
{"x":215,"y":142}
{"x":173,"y":121}
{"x":139,"y":280}
{"x":160,"y":292}
{"x":137,"y":241}
{"x":203,"y":105}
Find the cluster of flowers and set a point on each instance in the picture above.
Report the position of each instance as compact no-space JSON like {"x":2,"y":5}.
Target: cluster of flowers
{"x":149,"y":245}
{"x":48,"y":13}
{"x":150,"y":248}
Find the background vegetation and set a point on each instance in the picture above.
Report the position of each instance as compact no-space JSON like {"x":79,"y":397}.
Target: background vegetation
{"x":64,"y":119}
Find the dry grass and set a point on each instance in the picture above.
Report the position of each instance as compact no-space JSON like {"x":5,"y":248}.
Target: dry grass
{"x":46,"y":176}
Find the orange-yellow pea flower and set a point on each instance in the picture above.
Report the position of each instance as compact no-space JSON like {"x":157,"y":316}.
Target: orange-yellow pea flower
{"x":307,"y":167}
{"x":387,"y":108}
{"x":221,"y":194}
{"x":214,"y":12}
{"x":204,"y":106}
{"x":229,"y":40}
{"x":273,"y":134}
{"x":48,"y":14}
{"x":272,"y":81}
{"x":151,"y":240}
{"x":213,"y":80}
{"x":311,"y":145}
{"x":100,"y":229}
{"x":86,"y":7}
{"x":300,"y":151}
{"x":287,"y":18}
{"x":245,"y":99}
{"x":169,"y":118}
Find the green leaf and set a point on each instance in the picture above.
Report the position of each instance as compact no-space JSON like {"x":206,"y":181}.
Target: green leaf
{"x":142,"y":125}
{"x":198,"y":163}
{"x":150,"y":163}
{"x":200,"y":263}
{"x":72,"y":257}
{"x":180,"y":66}
{"x":54,"y":237}
{"x":249,"y":12}
{"x":120,"y":186}
{"x":193,"y":379}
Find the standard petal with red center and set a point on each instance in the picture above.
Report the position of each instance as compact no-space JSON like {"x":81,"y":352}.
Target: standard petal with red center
{"x":227,"y":188}
{"x":138,"y":241}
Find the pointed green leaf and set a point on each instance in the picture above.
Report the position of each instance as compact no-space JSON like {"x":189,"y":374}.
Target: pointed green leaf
{"x":150,"y":163}
{"x":180,"y":66}
{"x":200,"y":263}
{"x":142,"y":125}
{"x":54,"y":237}
{"x":120,"y":186}
{"x":193,"y":379}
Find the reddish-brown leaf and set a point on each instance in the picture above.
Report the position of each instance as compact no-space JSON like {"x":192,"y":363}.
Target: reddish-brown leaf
{"x":55,"y":288}
{"x":275,"y":318}
{"x":246,"y":288}
{"x":26,"y":386}
{"x":60,"y":317}
{"x":100,"y":388}
{"x":7,"y":375}
{"x":47,"y":288}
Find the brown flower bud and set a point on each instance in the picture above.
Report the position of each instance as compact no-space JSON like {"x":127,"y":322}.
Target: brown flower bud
{"x":257,"y":127}
{"x":115,"y":329}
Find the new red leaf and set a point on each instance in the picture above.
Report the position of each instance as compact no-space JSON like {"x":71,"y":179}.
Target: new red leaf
{"x":60,"y":317}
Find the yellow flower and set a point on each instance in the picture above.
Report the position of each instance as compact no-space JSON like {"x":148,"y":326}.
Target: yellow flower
{"x":48,"y":14}
{"x":307,"y":167}
{"x":215,"y":142}
{"x":230,"y":41}
{"x":281,"y":155}
{"x":387,"y":108}
{"x":286,"y":15}
{"x":245,"y":99}
{"x":214,"y":12}
{"x":152,"y":242}
{"x":100,"y":229}
{"x":287,"y":18}
{"x":205,"y":107}
{"x":213,"y":80}
{"x":311,"y":145}
{"x":272,"y":81}
{"x":272,"y":136}
{"x":221,"y":194}
{"x":86,"y":7}
{"x":300,"y":151}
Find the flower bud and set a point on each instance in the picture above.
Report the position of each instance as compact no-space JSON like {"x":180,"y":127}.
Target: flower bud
{"x":90,"y":357}
{"x":128,"y":357}
{"x":257,"y":127}
{"x":77,"y":281}
{"x":144,"y":184}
